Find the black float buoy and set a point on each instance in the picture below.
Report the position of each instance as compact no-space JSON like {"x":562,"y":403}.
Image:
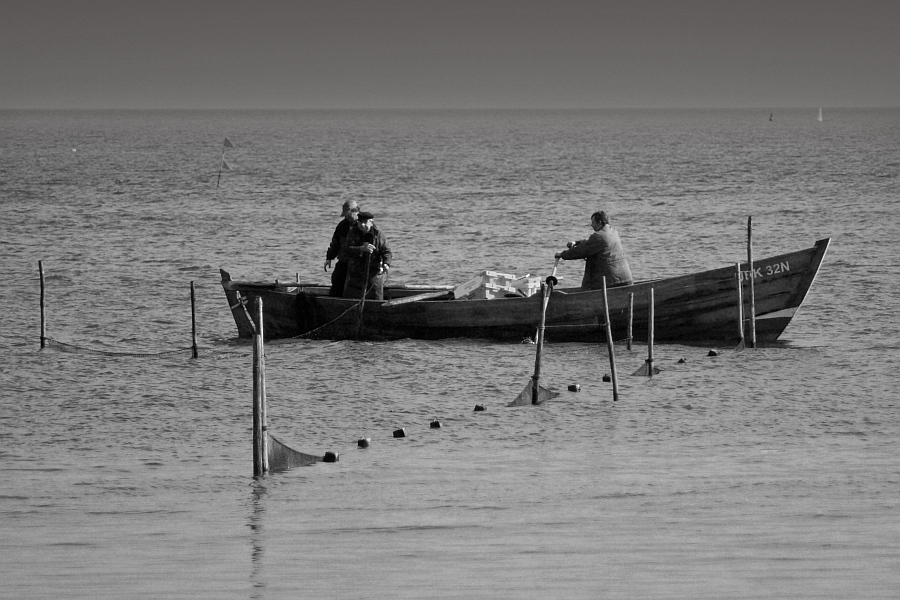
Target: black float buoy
{"x":606,"y":377}
{"x":330,"y":457}
{"x":713,"y":352}
{"x":399,"y":433}
{"x":574,"y":387}
{"x":363,"y":442}
{"x":479,"y":407}
{"x":435,"y":424}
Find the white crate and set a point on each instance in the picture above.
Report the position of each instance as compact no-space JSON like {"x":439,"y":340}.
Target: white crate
{"x":491,"y":284}
{"x":501,"y":279}
{"x":467,"y":287}
{"x":489,"y":291}
{"x":527,"y":285}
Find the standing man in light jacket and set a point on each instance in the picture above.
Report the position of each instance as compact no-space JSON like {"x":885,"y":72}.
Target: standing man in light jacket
{"x":604,"y":254}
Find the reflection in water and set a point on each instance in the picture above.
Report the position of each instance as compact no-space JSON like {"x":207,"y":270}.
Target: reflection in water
{"x":258,"y":494}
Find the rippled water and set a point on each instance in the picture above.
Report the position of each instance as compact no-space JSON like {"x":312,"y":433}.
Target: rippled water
{"x":764,"y":473}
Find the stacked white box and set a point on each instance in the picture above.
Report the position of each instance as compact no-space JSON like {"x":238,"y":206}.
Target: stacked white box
{"x":487,"y":286}
{"x":527,"y":285}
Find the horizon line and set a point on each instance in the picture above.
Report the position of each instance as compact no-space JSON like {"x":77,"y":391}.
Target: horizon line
{"x":435,"y":109}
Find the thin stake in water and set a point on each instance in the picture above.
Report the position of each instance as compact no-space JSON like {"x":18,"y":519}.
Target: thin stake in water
{"x":546,"y":290}
{"x":647,"y":368}
{"x":258,"y":469}
{"x":630,"y":318}
{"x":609,"y":344}
{"x":534,"y":393}
{"x":651,"y":370}
{"x":264,"y":426}
{"x":740,"y":309}
{"x":752,"y":277}
{"x":43,"y":320}
{"x":194,"y":352}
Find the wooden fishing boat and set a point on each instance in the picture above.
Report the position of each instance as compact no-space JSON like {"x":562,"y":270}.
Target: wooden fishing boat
{"x":697,"y":308}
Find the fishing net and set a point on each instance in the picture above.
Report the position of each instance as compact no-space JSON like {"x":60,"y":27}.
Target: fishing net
{"x":282,"y":458}
{"x":334,"y":329}
{"x":646,"y":370}
{"x":347,"y":325}
{"x":82,"y":350}
{"x":526,"y":396}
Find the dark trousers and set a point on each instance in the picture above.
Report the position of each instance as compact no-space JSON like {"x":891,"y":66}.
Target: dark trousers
{"x":338,"y":277}
{"x":375,"y":288}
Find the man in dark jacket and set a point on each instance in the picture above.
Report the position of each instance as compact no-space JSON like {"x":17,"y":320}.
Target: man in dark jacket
{"x":338,"y":248}
{"x":604,"y":253}
{"x":370,"y":259}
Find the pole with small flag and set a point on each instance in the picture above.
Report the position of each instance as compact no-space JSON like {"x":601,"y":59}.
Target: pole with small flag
{"x":224,"y":165}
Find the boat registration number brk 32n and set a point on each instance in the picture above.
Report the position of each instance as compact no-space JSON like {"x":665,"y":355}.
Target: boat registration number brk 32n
{"x":767,"y":270}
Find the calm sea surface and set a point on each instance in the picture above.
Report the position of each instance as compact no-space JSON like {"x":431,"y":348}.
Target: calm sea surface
{"x":766,"y":473}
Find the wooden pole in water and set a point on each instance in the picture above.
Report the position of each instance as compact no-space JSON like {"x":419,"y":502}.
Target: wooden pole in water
{"x":740,"y":306}
{"x":535,"y":379}
{"x":650,"y":337}
{"x":752,"y":277}
{"x":610,"y":345}
{"x":630,"y":317}
{"x":264,"y":425}
{"x":194,"y":352}
{"x":257,"y":422}
{"x":546,"y":290}
{"x":43,"y":320}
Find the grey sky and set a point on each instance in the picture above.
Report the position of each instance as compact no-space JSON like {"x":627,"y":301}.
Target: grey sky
{"x":448,"y":54}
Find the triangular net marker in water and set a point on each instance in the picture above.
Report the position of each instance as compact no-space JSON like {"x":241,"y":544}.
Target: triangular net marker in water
{"x":282,"y":458}
{"x":526,"y":397}
{"x":644,"y":370}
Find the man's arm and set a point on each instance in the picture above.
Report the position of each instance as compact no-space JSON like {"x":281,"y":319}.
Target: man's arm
{"x":386,"y":254}
{"x":583,"y":249}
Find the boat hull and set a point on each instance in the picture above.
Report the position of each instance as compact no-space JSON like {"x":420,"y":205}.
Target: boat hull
{"x":692,"y":309}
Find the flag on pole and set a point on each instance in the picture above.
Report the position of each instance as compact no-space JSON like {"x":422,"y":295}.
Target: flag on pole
{"x":224,"y":165}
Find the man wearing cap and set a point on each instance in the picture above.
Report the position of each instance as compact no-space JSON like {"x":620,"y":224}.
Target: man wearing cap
{"x":604,"y":254}
{"x":338,"y":248}
{"x":370,"y":259}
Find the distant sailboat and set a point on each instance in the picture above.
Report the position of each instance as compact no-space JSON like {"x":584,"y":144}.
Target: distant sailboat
{"x":820,"y":115}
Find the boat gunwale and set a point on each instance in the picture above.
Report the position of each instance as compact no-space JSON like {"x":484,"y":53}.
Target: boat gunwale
{"x":700,"y":300}
{"x":817,"y":255}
